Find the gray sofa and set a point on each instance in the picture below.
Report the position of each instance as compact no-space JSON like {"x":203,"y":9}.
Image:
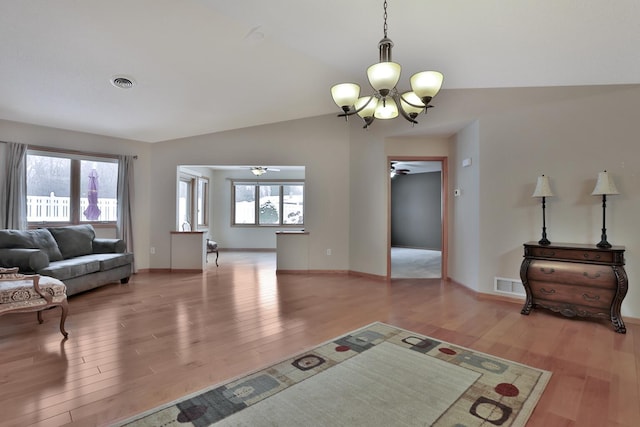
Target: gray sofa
{"x":71,"y":254}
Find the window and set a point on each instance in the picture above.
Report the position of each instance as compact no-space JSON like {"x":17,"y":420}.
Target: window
{"x":193,"y":202}
{"x":268,"y":203}
{"x":65,"y":188}
{"x":203,"y":202}
{"x":185,"y":202}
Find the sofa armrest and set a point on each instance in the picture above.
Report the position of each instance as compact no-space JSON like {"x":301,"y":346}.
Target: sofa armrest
{"x":109,"y":246}
{"x":27,"y":260}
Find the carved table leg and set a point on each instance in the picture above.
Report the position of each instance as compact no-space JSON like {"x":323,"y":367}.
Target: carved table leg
{"x":528,"y":304}
{"x":623,"y":284}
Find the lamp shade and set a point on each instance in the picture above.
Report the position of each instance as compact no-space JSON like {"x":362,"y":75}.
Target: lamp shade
{"x":426,"y":83}
{"x":387,"y":109}
{"x":408,"y":100}
{"x":371,"y":104}
{"x":543,"y":189}
{"x":604,"y":185}
{"x":384,"y":75}
{"x":345,"y":94}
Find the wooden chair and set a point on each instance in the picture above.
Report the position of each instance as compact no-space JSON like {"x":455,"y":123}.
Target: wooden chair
{"x":21,"y":293}
{"x":212,"y":247}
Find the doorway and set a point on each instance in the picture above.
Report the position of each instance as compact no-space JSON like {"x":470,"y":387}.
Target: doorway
{"x":417,"y":220}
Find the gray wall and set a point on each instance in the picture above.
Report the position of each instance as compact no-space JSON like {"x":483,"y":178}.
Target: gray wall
{"x":416,"y":210}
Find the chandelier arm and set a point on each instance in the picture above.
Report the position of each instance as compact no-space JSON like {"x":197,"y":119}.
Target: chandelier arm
{"x":351,"y":113}
{"x":412,"y":104}
{"x":404,"y":113}
{"x":367,"y":122}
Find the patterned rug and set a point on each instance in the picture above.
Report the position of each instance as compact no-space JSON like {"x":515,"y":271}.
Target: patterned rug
{"x":379,"y":375}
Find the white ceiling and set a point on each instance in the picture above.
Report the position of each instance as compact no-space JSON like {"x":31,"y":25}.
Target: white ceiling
{"x":201,"y":65}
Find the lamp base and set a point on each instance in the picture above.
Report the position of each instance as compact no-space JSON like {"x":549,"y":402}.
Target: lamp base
{"x":544,"y":241}
{"x":604,"y":244}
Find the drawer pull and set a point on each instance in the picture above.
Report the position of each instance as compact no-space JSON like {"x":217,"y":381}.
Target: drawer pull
{"x":595,"y":276}
{"x":551,"y":292}
{"x":586,"y":256}
{"x":547,"y":270}
{"x":588,"y":297}
{"x":547,"y":253}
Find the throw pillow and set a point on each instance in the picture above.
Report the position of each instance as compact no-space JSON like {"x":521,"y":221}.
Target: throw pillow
{"x":74,"y":240}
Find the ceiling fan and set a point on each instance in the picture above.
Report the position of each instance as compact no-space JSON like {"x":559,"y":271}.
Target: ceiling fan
{"x":400,"y":171}
{"x":261,"y":170}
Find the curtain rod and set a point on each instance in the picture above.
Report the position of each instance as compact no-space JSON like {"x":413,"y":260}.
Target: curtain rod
{"x":63,"y":150}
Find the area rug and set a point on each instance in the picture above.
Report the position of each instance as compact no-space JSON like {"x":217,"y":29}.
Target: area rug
{"x":379,"y":375}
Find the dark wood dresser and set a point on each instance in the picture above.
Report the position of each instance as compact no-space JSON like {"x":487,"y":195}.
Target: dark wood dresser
{"x":575,"y":280}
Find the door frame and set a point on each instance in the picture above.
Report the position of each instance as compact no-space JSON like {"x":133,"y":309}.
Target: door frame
{"x":444,"y":211}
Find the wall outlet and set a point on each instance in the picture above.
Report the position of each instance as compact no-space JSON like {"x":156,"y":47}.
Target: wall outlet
{"x":328,"y":252}
{"x":152,"y":250}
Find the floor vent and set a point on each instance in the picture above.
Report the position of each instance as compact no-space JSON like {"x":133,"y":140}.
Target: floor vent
{"x":509,"y":286}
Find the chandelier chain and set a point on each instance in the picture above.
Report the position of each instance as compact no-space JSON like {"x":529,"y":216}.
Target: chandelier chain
{"x":385,"y":18}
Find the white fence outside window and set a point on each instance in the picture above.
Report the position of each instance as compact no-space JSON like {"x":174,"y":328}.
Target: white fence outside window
{"x":57,"y":209}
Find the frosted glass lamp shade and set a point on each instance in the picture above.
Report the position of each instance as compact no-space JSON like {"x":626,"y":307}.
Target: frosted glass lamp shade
{"x":413,"y":99}
{"x":543,"y":189}
{"x":384,"y":76}
{"x":426,"y":84}
{"x":604,"y":185}
{"x":370,"y":108}
{"x":345,"y":94}
{"x":386,"y":110}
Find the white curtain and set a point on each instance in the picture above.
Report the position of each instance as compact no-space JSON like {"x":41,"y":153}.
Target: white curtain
{"x":13,"y":204}
{"x":125,"y":201}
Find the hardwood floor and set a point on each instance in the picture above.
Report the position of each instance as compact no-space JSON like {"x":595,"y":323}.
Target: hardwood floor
{"x":133,"y":347}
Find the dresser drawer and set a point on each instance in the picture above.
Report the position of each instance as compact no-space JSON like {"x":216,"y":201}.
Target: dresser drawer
{"x":571,"y":273}
{"x":571,"y":254}
{"x":599,"y":298}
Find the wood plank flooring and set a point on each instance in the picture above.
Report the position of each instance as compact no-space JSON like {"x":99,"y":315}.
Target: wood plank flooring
{"x":133,"y":347}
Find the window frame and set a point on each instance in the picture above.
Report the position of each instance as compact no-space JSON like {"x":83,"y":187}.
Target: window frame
{"x":202,"y":202}
{"x":76,"y":158}
{"x":257,"y":184}
{"x":198,"y":188}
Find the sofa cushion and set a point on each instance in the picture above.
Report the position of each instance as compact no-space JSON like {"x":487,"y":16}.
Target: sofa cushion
{"x":109,"y":261}
{"x":70,"y":268}
{"x":31,"y":239}
{"x":74,"y":240}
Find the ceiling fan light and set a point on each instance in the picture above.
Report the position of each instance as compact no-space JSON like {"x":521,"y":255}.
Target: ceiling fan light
{"x":384,"y":76}
{"x":408,"y":102}
{"x":370,"y":108}
{"x":345,"y":94}
{"x":386,"y":110}
{"x":426,"y":84}
{"x":258,"y":170}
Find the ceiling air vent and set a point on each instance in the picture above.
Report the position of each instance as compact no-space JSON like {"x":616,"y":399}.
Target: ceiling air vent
{"x":122,"y":82}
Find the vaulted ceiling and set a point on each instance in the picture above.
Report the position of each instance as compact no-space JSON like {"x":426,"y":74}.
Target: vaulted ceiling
{"x":203,"y":66}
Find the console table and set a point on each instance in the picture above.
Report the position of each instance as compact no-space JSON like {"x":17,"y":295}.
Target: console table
{"x":575,"y":280}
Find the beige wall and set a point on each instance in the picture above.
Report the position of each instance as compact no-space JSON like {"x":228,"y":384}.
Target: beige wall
{"x":464,"y":246}
{"x":316,"y":143}
{"x":570,"y":140}
{"x":569,"y":134}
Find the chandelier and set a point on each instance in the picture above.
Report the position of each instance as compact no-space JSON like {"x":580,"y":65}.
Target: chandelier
{"x":386,"y":102}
